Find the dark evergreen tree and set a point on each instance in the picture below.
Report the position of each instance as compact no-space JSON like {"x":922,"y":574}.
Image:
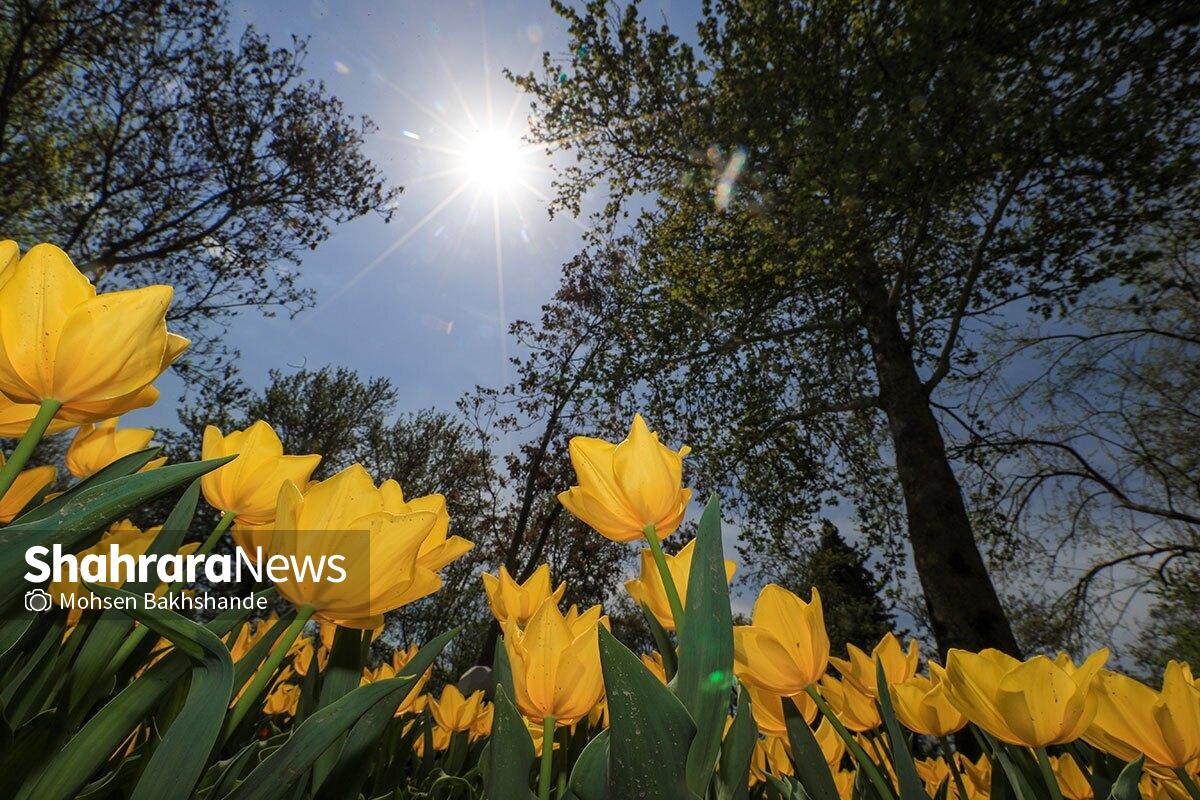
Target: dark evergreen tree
{"x":851,"y":593}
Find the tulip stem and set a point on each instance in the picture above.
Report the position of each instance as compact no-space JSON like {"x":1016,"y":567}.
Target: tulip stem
{"x":29,"y":442}
{"x":1051,"y":782}
{"x":664,"y":572}
{"x":217,"y":532}
{"x":864,"y":761}
{"x":954,"y":771}
{"x":1189,"y":784}
{"x":545,"y":775}
{"x":250,"y":697}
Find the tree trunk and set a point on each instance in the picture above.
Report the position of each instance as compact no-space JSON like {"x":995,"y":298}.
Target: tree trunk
{"x":964,"y":609}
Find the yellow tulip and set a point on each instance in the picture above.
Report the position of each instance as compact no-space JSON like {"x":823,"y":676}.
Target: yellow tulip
{"x":538,"y":734}
{"x":1073,"y":784}
{"x":654,"y":663}
{"x":768,"y":710}
{"x":248,"y":486}
{"x":976,"y":775}
{"x":580,"y":622}
{"x":249,"y":635}
{"x":832,"y":745}
{"x":440,"y":737}
{"x":283,"y":699}
{"x":770,"y":756}
{"x":1163,"y":787}
{"x":1133,"y":719}
{"x":26,"y":486}
{"x":130,"y":540}
{"x":922,"y":707}
{"x":303,"y":651}
{"x":625,"y":487}
{"x":898,"y":666}
{"x":1034,"y":703}
{"x":392,"y":547}
{"x":785,"y":648}
{"x":454,"y":712}
{"x":96,"y":355}
{"x":518,"y":601}
{"x":854,"y":707}
{"x":96,"y":445}
{"x":482,"y":726}
{"x":414,"y":702}
{"x":648,"y":588}
{"x":843,"y":781}
{"x":556,"y":669}
{"x":934,"y":772}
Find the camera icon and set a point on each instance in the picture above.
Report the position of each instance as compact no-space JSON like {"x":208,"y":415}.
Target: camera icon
{"x":37,"y":600}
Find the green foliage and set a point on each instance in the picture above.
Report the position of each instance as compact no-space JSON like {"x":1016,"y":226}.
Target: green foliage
{"x":159,"y":146}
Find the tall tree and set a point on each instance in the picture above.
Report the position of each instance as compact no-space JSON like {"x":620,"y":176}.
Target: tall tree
{"x":832,"y":199}
{"x":139,"y":137}
{"x":851,"y":593}
{"x":1088,"y":464}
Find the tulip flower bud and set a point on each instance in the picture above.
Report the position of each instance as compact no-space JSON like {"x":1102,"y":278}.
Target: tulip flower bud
{"x":248,"y":486}
{"x":625,"y":487}
{"x":1034,"y":703}
{"x":648,"y":588}
{"x":556,"y":663}
{"x":785,"y":649}
{"x":518,"y":601}
{"x":96,"y":355}
{"x":96,"y":445}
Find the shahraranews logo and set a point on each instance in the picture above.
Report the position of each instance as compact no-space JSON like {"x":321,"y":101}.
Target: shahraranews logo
{"x":115,"y":568}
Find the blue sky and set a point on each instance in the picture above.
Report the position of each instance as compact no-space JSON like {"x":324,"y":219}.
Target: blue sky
{"x":419,"y":300}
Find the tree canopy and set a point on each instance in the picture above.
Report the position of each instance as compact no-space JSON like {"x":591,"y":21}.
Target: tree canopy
{"x":829,"y":204}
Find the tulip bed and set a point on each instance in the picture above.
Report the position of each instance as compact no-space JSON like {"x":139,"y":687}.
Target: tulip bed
{"x":143,"y":702}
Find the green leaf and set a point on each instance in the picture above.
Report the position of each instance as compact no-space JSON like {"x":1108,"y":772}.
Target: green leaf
{"x":662,"y":640}
{"x":650,"y":730}
{"x":510,"y":751}
{"x":183,"y":753}
{"x":911,"y":785}
{"x":811,"y":768}
{"x":342,"y":675}
{"x":69,"y":769}
{"x":286,"y":765}
{"x":84,"y":515}
{"x":589,"y":778}
{"x":1126,"y":787}
{"x":114,"y":625}
{"x":1018,"y":781}
{"x":705,"y":675}
{"x":123,"y":466}
{"x":104,"y":731}
{"x":736,"y":752}
{"x":501,"y":668}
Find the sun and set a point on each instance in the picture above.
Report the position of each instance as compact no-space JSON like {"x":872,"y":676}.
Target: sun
{"x":493,"y":159}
